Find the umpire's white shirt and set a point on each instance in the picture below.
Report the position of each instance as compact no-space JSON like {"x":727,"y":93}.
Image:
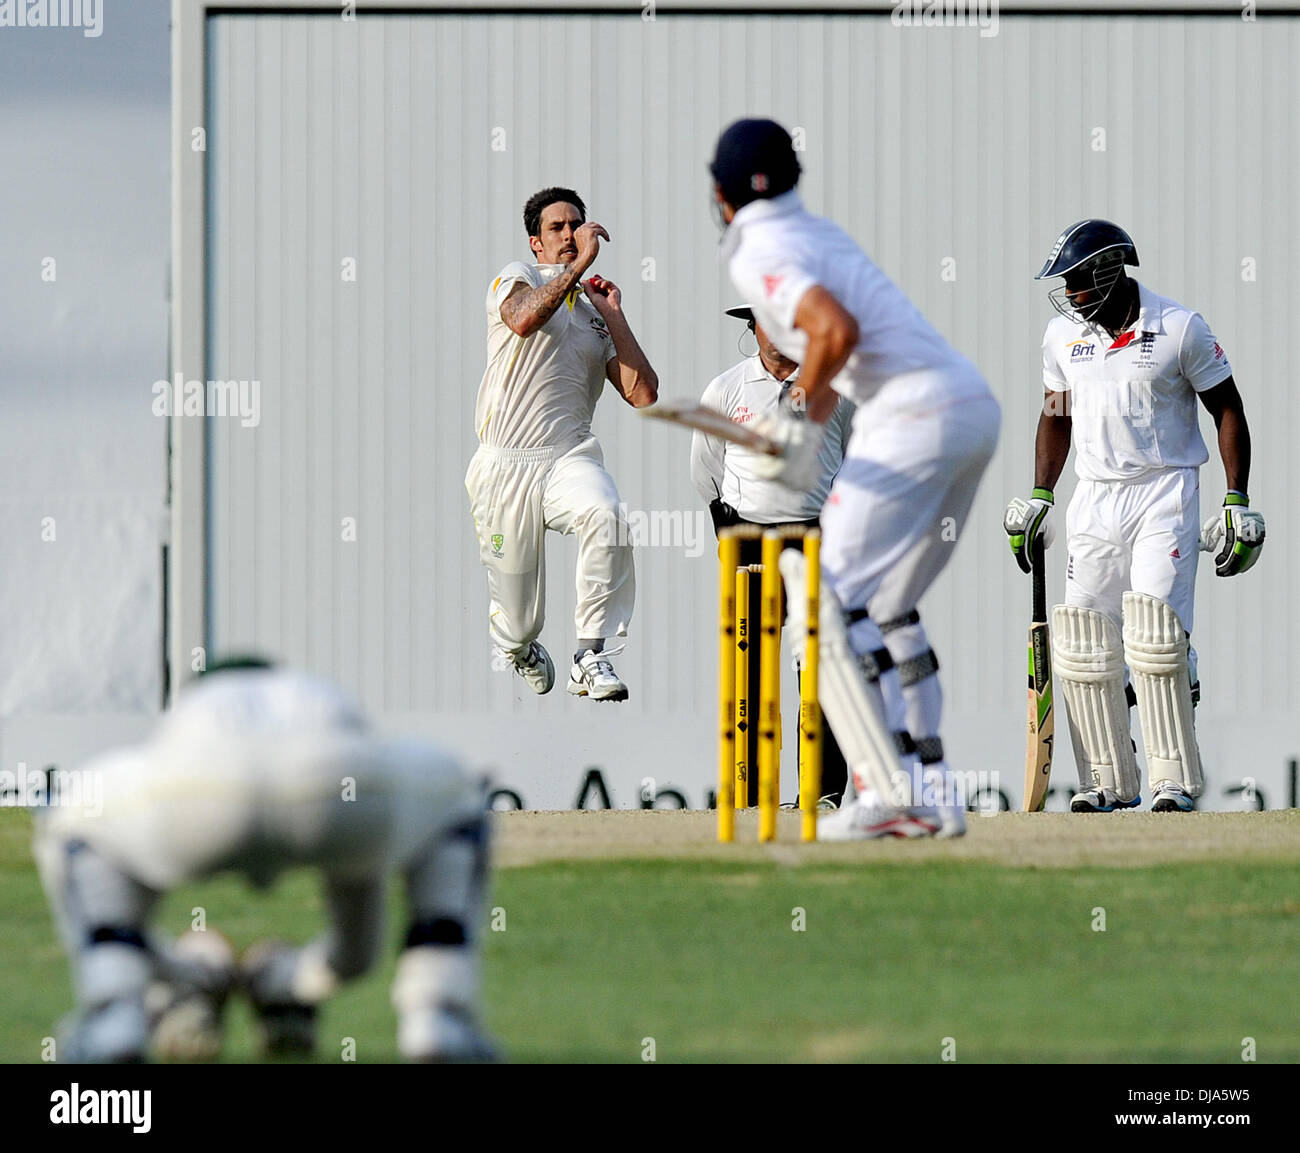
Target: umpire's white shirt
{"x":776,"y":251}
{"x":1133,"y":397}
{"x":725,"y":470}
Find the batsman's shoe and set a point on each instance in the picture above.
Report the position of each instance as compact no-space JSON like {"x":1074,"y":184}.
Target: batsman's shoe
{"x":286,"y":1025}
{"x":1171,"y":797}
{"x":1100,"y":801}
{"x":951,"y":818}
{"x":536,"y":668}
{"x":866,"y":819}
{"x":186,"y":1009}
{"x":593,"y":676}
{"x":946,"y":808}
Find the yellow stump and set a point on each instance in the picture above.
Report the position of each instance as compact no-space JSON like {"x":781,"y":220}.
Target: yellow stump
{"x":769,"y":687}
{"x":728,"y":559}
{"x":741,"y":657}
{"x":810,"y":716}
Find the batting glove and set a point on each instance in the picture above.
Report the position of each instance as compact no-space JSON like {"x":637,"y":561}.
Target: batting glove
{"x":800,"y":441}
{"x":1028,"y":520}
{"x":1236,"y":535}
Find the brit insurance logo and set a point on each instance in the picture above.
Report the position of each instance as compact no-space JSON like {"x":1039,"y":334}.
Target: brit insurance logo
{"x":1081,"y":350}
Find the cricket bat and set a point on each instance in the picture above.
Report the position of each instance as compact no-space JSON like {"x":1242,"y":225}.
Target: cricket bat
{"x":713,"y":422}
{"x":1042,"y":721}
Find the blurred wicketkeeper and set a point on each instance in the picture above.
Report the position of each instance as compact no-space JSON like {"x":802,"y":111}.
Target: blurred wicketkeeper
{"x":258,"y":770}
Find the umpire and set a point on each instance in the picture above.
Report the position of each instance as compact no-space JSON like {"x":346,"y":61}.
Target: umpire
{"x":724,"y":475}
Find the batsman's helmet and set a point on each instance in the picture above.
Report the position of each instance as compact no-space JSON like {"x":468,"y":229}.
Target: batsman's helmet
{"x":1091,"y":255}
{"x":754,"y":160}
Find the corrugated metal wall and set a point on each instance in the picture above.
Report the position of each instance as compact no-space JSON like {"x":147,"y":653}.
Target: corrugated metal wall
{"x":409,"y":145}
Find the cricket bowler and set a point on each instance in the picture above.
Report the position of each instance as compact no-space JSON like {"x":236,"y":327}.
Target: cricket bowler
{"x":1123,"y":369}
{"x":553,"y":340}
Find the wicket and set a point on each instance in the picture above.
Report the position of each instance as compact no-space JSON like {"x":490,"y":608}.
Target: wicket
{"x":735,"y":713}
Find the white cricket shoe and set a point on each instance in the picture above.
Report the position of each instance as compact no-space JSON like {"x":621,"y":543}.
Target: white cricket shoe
{"x":866,"y":818}
{"x":1100,"y":800}
{"x":1171,"y":797}
{"x":443,"y":1035}
{"x":536,"y":668}
{"x":594,"y":676}
{"x":947,"y":810}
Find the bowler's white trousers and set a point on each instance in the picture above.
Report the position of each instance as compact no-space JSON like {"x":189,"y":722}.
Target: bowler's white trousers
{"x":515,"y":496}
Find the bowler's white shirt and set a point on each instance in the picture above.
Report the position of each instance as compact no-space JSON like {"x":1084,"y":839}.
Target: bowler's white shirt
{"x":1133,"y":397}
{"x":721,"y":469}
{"x":776,"y":251}
{"x":540,"y":391}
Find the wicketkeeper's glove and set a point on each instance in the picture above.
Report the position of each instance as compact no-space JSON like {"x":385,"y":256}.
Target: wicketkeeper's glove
{"x":798,"y":466}
{"x":1236,"y":535}
{"x":1026,"y":521}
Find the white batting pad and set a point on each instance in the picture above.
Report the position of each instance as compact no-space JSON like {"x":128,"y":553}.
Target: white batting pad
{"x":1155,"y":647}
{"x":1088,"y":660}
{"x":854,"y":709}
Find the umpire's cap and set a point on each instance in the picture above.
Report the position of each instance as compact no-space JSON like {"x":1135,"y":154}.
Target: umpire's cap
{"x":754,"y":160}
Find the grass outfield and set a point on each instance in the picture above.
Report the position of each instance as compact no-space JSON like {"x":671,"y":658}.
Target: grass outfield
{"x":701,"y":952}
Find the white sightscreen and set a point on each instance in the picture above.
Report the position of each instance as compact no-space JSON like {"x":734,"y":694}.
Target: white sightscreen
{"x":408,"y":145}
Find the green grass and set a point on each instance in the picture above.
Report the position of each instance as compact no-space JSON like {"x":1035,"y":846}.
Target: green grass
{"x":702,"y":957}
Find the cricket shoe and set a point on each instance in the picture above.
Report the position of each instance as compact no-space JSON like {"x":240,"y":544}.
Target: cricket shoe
{"x":443,"y":1036}
{"x":1171,"y":797}
{"x":536,"y":668}
{"x":865,"y":818}
{"x":950,"y":814}
{"x":113,"y":1034}
{"x":186,"y":1008}
{"x":593,"y":676}
{"x":286,"y":1026}
{"x":1100,"y":801}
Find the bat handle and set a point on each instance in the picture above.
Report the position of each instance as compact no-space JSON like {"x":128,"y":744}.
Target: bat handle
{"x":1040,"y":580}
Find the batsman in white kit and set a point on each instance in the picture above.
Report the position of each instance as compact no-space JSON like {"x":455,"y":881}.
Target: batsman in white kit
{"x":553,"y":341}
{"x":1123,"y":369}
{"x":258,"y":770}
{"x":730,"y":478}
{"x":925,"y":428}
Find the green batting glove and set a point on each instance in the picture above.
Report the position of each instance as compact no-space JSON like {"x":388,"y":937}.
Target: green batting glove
{"x":1026,"y":521}
{"x":1236,"y":535}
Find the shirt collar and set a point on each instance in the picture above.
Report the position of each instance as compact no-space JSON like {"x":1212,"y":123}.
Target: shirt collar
{"x":755,"y":210}
{"x":756,"y":370}
{"x":1149,"y":318}
{"x":1150,"y":314}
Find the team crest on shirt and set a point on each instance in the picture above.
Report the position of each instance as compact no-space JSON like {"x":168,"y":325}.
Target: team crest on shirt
{"x":1081,"y":350}
{"x":1146,"y":350}
{"x":599,"y":325}
{"x":498,"y":545}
